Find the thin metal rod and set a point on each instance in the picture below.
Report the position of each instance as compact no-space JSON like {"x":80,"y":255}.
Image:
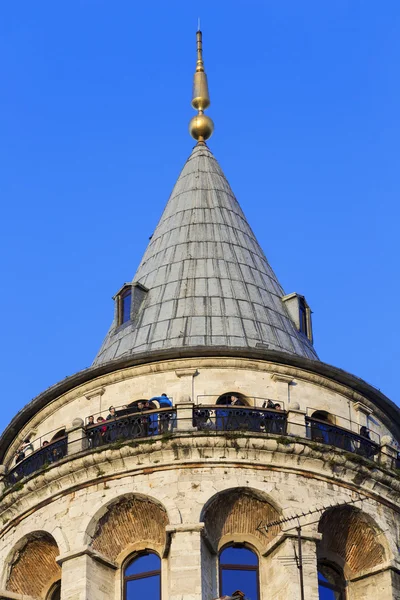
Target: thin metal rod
{"x":300,"y":565}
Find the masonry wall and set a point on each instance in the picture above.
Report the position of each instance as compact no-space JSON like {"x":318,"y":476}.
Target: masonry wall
{"x":174,"y":481}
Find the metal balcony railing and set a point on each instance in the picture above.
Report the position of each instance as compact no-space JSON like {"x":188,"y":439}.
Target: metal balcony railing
{"x":211,"y":419}
{"x":140,"y":424}
{"x":43,"y":457}
{"x":229,"y":418}
{"x":326,"y":433}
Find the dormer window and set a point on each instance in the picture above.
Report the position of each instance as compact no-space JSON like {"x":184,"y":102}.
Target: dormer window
{"x":300,"y":313}
{"x":128,"y":301}
{"x":123,"y":304}
{"x":303,"y":317}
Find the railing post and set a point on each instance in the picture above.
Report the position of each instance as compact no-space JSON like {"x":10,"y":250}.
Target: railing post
{"x":184,"y":414}
{"x":388,"y":452}
{"x":77,"y":439}
{"x":296,"y":424}
{"x":3,"y":474}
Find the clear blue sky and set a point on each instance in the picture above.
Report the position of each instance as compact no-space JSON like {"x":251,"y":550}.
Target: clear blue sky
{"x":94,"y":108}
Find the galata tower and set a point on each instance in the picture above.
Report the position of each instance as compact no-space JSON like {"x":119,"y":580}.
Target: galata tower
{"x":207,"y":452}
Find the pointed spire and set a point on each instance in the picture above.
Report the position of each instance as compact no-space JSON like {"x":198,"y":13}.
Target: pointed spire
{"x":201,"y":126}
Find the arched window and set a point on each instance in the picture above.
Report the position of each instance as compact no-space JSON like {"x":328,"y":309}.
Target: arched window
{"x":238,"y":571}
{"x":330,"y":583}
{"x":232,"y":399}
{"x":319,"y":431}
{"x":55,"y":591}
{"x":142,"y":577}
{"x":57,"y":436}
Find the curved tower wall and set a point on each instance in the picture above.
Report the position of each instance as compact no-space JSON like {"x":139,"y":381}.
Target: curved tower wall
{"x":187,"y":492}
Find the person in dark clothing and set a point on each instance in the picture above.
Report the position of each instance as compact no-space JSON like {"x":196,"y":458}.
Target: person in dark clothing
{"x":366,"y":447}
{"x":112,"y":413}
{"x":90,"y":433}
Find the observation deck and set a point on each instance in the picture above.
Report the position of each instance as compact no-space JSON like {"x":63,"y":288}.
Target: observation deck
{"x":131,"y":425}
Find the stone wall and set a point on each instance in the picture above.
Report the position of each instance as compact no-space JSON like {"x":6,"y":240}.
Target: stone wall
{"x":187,"y":495}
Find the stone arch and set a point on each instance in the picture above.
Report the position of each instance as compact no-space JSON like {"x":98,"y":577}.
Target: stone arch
{"x":129,"y":520}
{"x":323,"y":415}
{"x":58,"y":435}
{"x":235,"y":515}
{"x":32,"y":566}
{"x":225,"y":398}
{"x":351,"y":539}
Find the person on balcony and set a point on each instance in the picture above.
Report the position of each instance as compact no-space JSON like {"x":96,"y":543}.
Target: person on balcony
{"x":366,"y":447}
{"x":111,"y":413}
{"x":222,"y":415}
{"x":165,"y":417}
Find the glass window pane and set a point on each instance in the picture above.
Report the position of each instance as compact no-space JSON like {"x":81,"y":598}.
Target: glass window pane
{"x":147,"y":588}
{"x":126,"y":308}
{"x":327,"y":594}
{"x":143,"y":564}
{"x":238,"y":556}
{"x":245,"y":581}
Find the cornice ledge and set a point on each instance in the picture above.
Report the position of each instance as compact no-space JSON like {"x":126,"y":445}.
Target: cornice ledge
{"x":13,"y":596}
{"x":97,"y":391}
{"x":88,"y":551}
{"x":185,"y":527}
{"x":275,"y":543}
{"x":389,"y":565}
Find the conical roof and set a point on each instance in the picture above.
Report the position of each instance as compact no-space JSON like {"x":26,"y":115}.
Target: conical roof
{"x":209,"y":283}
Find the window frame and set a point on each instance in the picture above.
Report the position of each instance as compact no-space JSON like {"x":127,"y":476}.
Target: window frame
{"x":129,"y":560}
{"x":236,"y":567}
{"x":335,"y":587}
{"x":54,"y":588}
{"x":121,"y":297}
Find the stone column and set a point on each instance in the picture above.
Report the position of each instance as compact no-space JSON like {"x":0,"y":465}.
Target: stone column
{"x":388,"y":452}
{"x":184,"y":415}
{"x":86,"y":574}
{"x":184,"y":559}
{"x":97,"y":394}
{"x":363,"y":413}
{"x":77,"y":440}
{"x":296,"y":424}
{"x":187,"y":376}
{"x":281,"y":577}
{"x":378,"y":584}
{"x":283,"y":383}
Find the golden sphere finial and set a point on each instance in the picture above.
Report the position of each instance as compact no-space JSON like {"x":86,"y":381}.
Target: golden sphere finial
{"x":201,"y":126}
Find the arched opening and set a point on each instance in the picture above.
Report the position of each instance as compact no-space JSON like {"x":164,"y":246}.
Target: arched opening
{"x":351,"y":539}
{"x":238,"y":512}
{"x":238,"y":571}
{"x":323,"y":415}
{"x":232,"y":399}
{"x":39,"y":551}
{"x":127,"y":520}
{"x":57,"y":436}
{"x":232,"y":519}
{"x":320,"y":426}
{"x":142,"y":577}
{"x":331,"y":583}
